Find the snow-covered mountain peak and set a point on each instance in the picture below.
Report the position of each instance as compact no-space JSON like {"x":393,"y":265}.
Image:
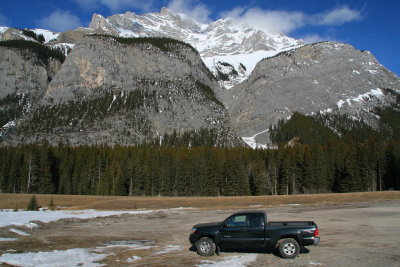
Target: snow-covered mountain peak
{"x":220,"y":43}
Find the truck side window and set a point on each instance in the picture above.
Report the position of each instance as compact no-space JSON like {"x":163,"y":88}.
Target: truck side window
{"x":255,"y":219}
{"x":238,"y":220}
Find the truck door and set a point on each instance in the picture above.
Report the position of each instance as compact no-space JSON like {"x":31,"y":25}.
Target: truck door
{"x":232,"y":231}
{"x":255,"y":230}
{"x":243,"y":230}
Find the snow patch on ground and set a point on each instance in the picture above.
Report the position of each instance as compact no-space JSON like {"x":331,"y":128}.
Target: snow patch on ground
{"x":31,"y":225}
{"x":314,"y":263}
{"x":19,"y":232}
{"x":133,"y":258}
{"x":128,"y":244}
{"x":24,"y":218}
{"x":235,"y":261}
{"x":60,"y":258}
{"x":168,"y":249}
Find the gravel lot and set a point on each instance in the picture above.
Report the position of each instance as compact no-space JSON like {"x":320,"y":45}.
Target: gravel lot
{"x":362,"y":234}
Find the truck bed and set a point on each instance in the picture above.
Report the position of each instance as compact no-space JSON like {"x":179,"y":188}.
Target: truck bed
{"x":291,"y":223}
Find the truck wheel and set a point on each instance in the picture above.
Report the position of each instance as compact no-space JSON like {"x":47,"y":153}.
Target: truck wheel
{"x":205,"y":246}
{"x":289,"y":248}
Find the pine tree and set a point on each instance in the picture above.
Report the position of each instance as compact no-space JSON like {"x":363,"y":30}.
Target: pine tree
{"x":32,"y":205}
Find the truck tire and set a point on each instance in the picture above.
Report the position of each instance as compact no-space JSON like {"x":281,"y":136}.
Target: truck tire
{"x":205,"y":246}
{"x":289,"y":248}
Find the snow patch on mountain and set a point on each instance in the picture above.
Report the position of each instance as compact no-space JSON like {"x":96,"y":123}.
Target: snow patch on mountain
{"x":48,"y":35}
{"x":3,"y":30}
{"x":65,"y":48}
{"x":251,"y":141}
{"x":222,"y":41}
{"x":377,"y":93}
{"x":249,"y":61}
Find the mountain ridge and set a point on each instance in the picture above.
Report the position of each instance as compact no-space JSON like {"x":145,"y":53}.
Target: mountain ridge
{"x":221,"y":41}
{"x":134,"y":91}
{"x":320,"y":78}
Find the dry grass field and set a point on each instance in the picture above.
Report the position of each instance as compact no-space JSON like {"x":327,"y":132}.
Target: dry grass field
{"x":73,"y":202}
{"x":356,"y":229}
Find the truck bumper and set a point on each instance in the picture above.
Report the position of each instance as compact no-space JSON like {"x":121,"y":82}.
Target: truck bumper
{"x":193,"y":238}
{"x":316,"y":241}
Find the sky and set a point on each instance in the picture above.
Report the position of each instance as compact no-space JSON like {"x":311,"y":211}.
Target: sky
{"x":372,"y":25}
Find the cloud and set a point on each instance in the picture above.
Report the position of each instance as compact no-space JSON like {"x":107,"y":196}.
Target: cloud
{"x":60,"y":21}
{"x":191,"y":8}
{"x":276,"y":21}
{"x":338,"y":16}
{"x":115,"y":5}
{"x":272,"y":21}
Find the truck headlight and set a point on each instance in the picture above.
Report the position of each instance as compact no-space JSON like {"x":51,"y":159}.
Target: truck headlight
{"x":194,"y":229}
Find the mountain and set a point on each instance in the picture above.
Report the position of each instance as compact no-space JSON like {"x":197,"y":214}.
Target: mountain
{"x":230,"y":51}
{"x":321,"y":78}
{"x":209,"y":84}
{"x":112,"y":90}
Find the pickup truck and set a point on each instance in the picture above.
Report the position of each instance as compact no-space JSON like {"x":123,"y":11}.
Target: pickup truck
{"x":250,"y":229}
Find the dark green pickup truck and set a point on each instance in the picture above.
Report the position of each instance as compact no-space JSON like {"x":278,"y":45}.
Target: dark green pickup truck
{"x":250,"y":229}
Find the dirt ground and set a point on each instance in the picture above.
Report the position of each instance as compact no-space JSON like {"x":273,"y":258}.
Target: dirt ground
{"x":360,"y":234}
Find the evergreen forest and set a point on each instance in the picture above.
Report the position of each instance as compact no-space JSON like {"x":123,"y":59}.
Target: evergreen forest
{"x":352,"y":158}
{"x":149,"y":170}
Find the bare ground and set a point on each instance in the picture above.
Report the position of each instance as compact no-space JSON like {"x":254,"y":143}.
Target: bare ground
{"x":358,"y":234}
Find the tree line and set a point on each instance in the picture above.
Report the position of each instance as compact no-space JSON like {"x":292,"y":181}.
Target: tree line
{"x":42,"y":52}
{"x":151,"y":170}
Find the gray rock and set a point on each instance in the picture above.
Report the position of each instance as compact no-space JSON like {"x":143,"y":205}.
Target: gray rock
{"x":309,"y":79}
{"x":70,"y":37}
{"x":219,"y":41}
{"x":22,"y":72}
{"x":23,"y":81}
{"x":111,"y":93}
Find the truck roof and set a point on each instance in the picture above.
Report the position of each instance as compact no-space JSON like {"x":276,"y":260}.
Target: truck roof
{"x":250,"y":211}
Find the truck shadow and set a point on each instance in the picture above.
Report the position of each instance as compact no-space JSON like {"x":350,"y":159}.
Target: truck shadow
{"x":274,"y":251}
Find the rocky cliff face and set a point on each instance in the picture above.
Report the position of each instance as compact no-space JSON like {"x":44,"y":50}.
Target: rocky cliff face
{"x":24,"y":79}
{"x":219,"y":43}
{"x":119,"y":91}
{"x":101,"y":61}
{"x":323,"y":77}
{"x":229,"y":50}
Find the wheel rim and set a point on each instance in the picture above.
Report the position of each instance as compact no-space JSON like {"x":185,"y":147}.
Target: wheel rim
{"x":205,"y":247}
{"x":289,"y":249}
